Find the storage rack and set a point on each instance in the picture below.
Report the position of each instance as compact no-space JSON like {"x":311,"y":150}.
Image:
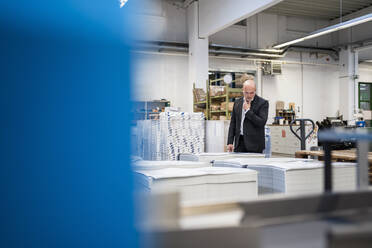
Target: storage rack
{"x":206,"y":105}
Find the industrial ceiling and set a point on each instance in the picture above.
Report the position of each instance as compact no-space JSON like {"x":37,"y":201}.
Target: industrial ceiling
{"x":330,"y":10}
{"x":320,"y":9}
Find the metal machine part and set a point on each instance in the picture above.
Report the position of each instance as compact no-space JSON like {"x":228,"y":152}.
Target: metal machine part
{"x":345,"y":236}
{"x":306,"y":205}
{"x":311,"y":221}
{"x":362,"y":138}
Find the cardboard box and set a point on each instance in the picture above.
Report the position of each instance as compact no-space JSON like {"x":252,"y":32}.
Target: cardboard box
{"x":279,"y":105}
{"x":223,"y":106}
{"x":235,"y":94}
{"x":240,"y":80}
{"x":196,"y":109}
{"x":199,"y":95}
{"x":367,"y":115}
{"x":215,"y":107}
{"x":230,"y":107}
{"x":217,"y":90}
{"x":223,"y":118}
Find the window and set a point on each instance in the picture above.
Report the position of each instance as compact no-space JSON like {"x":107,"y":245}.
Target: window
{"x":365,"y":96}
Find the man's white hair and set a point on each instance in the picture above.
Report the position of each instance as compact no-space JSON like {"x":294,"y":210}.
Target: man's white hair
{"x":250,"y":82}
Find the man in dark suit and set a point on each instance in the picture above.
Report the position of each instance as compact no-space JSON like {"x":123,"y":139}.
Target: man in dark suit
{"x":248,"y":119}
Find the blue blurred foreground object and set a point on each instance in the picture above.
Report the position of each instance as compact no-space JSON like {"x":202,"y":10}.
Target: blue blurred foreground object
{"x":64,"y":93}
{"x":360,"y":123}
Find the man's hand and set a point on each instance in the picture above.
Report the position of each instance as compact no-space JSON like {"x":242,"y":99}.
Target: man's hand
{"x":247,"y":105}
{"x":230,"y":148}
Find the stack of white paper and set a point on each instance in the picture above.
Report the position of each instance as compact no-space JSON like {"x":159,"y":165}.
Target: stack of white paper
{"x":185,"y":132}
{"x":150,"y":143}
{"x":220,"y":156}
{"x":289,"y":175}
{"x":202,"y":185}
{"x":243,"y":162}
{"x":216,"y":135}
{"x":217,"y":132}
{"x":156,"y":165}
{"x":173,"y":133}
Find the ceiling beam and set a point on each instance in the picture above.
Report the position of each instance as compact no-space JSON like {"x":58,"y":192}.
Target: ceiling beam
{"x":307,"y":11}
{"x":186,"y":3}
{"x":216,"y":15}
{"x":361,"y":12}
{"x":317,"y":5}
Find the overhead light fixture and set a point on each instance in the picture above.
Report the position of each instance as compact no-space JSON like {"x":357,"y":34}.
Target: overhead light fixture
{"x":227,"y":78}
{"x":330,"y":29}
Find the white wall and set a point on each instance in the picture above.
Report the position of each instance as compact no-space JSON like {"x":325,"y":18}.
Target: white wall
{"x":165,"y":76}
{"x":221,"y":64}
{"x":308,"y":87}
{"x":161,"y":21}
{"x":162,"y":76}
{"x":285,"y":87}
{"x":233,"y":36}
{"x":365,"y":74}
{"x":320,"y":98}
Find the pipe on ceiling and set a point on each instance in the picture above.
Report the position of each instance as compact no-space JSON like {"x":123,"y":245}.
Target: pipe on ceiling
{"x":235,"y":51}
{"x":253,"y":60}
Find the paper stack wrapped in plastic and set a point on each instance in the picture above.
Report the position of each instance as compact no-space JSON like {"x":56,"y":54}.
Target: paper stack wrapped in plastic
{"x":293,"y":175}
{"x":201,"y":185}
{"x":172,"y":134}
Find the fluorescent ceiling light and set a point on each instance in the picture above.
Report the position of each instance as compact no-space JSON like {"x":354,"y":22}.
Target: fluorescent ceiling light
{"x":330,"y":29}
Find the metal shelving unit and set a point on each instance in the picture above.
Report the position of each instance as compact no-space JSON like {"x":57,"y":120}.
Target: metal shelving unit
{"x":206,"y":105}
{"x":230,"y":93}
{"x":220,"y":99}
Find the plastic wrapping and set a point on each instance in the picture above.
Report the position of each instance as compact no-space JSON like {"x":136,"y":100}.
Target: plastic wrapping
{"x":172,"y":134}
{"x":267,"y":150}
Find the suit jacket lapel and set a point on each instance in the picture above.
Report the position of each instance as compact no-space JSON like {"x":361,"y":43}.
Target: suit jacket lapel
{"x":253,"y":103}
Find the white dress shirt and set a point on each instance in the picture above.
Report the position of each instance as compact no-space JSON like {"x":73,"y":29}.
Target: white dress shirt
{"x":243,"y":116}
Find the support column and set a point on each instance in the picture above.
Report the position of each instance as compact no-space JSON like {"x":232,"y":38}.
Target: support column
{"x":356,"y":79}
{"x":198,"y":49}
{"x":259,"y":86}
{"x":348,"y":91}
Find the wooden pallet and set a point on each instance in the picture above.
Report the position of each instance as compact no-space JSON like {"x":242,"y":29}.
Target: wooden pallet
{"x":338,"y":156}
